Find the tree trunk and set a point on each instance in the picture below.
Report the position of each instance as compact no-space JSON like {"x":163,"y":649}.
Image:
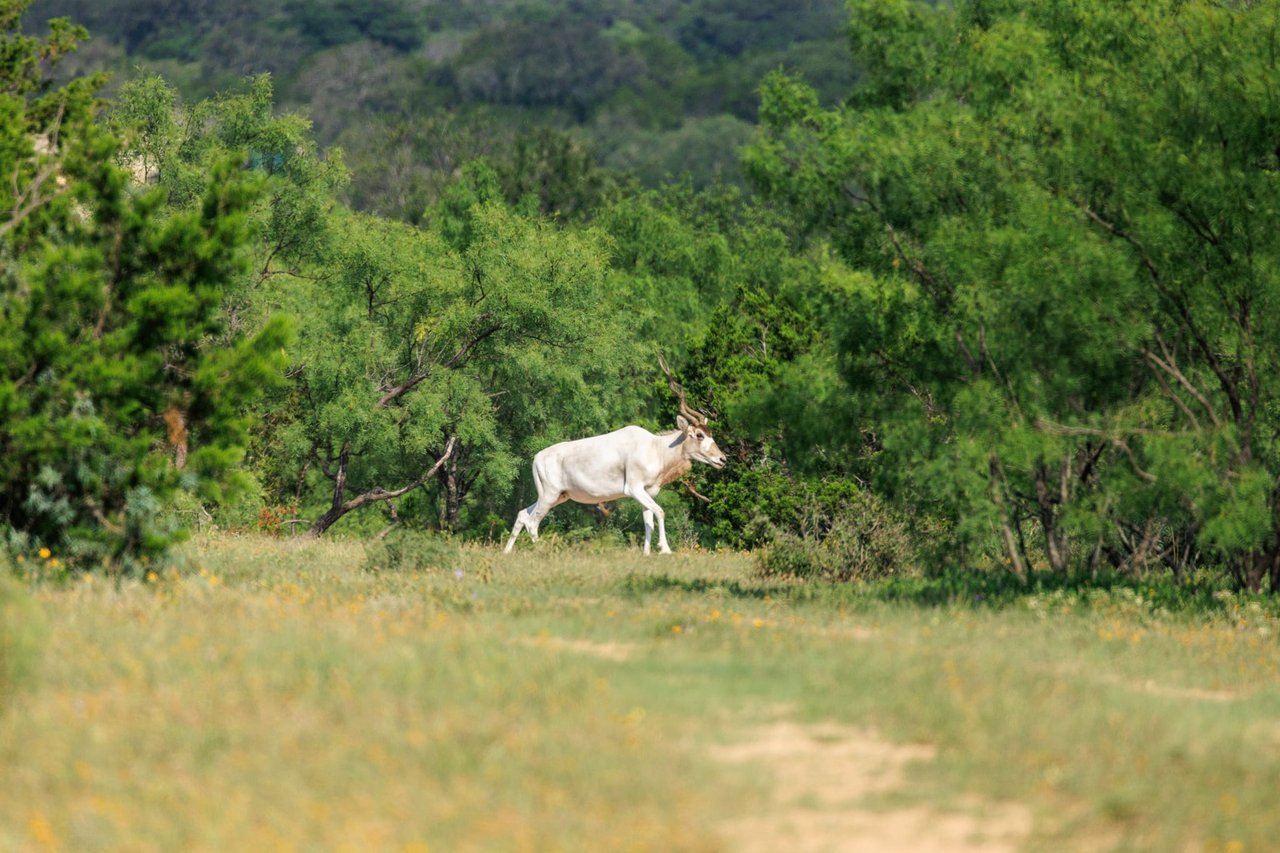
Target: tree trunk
{"x":1006,"y":532}
{"x":452,"y":494}
{"x":1054,"y":539}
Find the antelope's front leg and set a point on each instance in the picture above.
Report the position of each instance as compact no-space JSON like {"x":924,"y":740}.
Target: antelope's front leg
{"x":651,"y":508}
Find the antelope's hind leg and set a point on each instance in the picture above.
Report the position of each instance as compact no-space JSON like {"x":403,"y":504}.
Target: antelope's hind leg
{"x":530,"y":517}
{"x":521,"y":521}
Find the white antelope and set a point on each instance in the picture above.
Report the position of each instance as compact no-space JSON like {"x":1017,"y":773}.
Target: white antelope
{"x":627,"y":463}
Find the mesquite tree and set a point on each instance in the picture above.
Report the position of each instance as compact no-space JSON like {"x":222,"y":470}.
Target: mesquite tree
{"x":418,"y":362}
{"x":1069,"y":342}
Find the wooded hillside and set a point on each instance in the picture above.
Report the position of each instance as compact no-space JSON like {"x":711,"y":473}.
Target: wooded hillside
{"x":412,"y":89}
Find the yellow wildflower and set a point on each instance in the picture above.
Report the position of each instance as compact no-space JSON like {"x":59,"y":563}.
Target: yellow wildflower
{"x":42,"y":831}
{"x":45,"y":553}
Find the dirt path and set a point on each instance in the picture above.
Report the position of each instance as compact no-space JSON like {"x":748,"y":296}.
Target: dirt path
{"x":822,"y":777}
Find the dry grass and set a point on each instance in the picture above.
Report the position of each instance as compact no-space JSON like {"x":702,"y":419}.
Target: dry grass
{"x":276,"y":696}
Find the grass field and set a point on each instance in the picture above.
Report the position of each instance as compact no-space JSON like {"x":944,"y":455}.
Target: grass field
{"x":272,"y":695}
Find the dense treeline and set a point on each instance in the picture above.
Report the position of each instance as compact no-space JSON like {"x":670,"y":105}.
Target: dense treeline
{"x":1067,"y":333}
{"x":1011,"y":306}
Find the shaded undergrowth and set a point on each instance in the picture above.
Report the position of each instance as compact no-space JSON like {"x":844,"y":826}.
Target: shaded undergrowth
{"x":1199,"y":595}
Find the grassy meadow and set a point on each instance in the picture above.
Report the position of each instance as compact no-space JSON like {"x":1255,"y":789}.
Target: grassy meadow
{"x":270,"y":695}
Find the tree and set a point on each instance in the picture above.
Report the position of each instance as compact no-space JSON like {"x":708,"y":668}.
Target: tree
{"x":112,"y":397}
{"x":425,"y":363}
{"x":1071,"y":323}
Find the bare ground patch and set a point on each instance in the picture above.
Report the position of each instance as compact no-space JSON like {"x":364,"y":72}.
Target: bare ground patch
{"x":1196,"y":694}
{"x":1152,"y":687}
{"x":822,"y":777}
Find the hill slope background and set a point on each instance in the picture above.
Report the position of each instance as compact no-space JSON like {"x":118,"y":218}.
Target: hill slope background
{"x":411,"y":89}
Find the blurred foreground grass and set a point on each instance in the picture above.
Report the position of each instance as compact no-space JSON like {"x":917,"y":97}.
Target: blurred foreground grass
{"x":274,"y":695}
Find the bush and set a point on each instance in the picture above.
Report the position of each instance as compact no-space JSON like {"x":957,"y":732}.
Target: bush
{"x":410,"y":550}
{"x":21,"y":632}
{"x":856,"y":539}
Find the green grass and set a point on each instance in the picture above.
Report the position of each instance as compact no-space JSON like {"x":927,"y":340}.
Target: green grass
{"x":276,"y":696}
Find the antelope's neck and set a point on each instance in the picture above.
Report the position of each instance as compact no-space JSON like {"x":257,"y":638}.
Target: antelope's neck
{"x":675,"y":469}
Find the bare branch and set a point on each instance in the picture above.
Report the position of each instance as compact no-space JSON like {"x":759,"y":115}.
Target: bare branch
{"x":341,"y":508}
{"x":1172,"y":395}
{"x":1113,"y":439}
{"x":31,"y":200}
{"x":688,"y":484}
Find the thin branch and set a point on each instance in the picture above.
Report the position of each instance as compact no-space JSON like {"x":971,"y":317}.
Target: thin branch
{"x":341,"y":508}
{"x":32,"y":198}
{"x":1111,"y":438}
{"x":1184,"y":311}
{"x":1172,"y":395}
{"x":1126,"y":237}
{"x":688,"y":484}
{"x":1172,"y":369}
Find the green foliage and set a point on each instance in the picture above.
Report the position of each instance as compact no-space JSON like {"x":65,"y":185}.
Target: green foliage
{"x":419,"y":351}
{"x":853,"y":536}
{"x":111,"y":394}
{"x":556,"y":172}
{"x":415,"y":89}
{"x":1068,"y":344}
{"x":340,"y":21}
{"x":144,"y":111}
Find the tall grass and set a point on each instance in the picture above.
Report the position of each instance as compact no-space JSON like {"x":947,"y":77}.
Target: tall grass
{"x":269,"y":695}
{"x":21,"y":637}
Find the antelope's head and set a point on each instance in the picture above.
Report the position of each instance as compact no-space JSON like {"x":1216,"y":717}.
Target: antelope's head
{"x":697,"y":442}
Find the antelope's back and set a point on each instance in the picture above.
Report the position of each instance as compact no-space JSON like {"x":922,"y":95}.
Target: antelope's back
{"x":594,"y":465}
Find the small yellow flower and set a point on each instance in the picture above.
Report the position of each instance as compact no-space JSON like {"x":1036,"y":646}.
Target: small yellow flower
{"x":677,"y":629}
{"x":152,"y":577}
{"x":757,"y":623}
{"x":715,"y":614}
{"x":42,"y":831}
{"x":45,"y":553}
{"x":55,"y":563}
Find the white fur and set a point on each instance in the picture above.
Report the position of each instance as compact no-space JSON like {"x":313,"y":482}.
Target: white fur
{"x":627,"y":463}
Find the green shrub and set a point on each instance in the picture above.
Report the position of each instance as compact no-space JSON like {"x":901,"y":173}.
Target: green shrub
{"x":855,"y":539}
{"x":410,"y":550}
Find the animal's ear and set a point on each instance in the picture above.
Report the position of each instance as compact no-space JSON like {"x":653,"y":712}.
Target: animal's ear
{"x":682,"y":423}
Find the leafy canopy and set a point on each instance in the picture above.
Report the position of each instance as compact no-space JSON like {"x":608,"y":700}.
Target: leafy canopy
{"x":1068,"y":208}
